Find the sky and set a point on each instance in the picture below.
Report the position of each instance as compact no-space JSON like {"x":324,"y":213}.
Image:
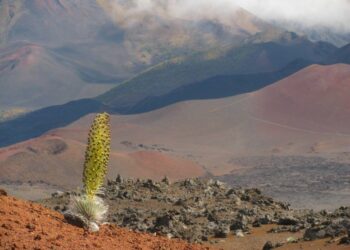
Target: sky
{"x":333,"y":14}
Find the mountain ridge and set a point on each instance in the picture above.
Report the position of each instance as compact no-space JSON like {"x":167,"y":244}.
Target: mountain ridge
{"x":85,"y":36}
{"x":246,"y":59}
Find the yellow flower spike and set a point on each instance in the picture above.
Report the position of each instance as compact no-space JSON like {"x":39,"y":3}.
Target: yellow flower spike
{"x":97,"y":155}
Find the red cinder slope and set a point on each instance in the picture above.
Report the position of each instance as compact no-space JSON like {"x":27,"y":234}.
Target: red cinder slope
{"x":306,"y":113}
{"x":316,"y":98}
{"x":26,"y":225}
{"x":59,"y":161}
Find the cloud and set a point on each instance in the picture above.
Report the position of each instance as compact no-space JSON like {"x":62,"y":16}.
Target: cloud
{"x":333,"y":14}
{"x":129,"y":12}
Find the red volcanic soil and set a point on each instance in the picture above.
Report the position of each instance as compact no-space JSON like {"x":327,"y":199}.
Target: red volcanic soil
{"x":59,"y":161}
{"x":306,"y":113}
{"x":316,"y":98}
{"x":25,"y":225}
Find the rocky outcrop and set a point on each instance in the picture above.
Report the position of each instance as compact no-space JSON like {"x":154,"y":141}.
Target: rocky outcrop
{"x":194,"y":209}
{"x":199,"y":210}
{"x":25,"y":225}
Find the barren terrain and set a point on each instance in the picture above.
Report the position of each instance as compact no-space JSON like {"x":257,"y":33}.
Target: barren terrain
{"x":267,"y":138}
{"x":25,"y":225}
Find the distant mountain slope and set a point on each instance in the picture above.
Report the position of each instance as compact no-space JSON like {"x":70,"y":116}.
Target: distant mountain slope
{"x":33,"y":73}
{"x":342,"y":55}
{"x":37,"y":122}
{"x":305,"y":113}
{"x":33,"y":76}
{"x":86,"y":42}
{"x":51,"y":22}
{"x":218,"y":87}
{"x":250,"y":58}
{"x":317,"y":32}
{"x":179,"y":33}
{"x":215,"y":87}
{"x":315,"y":99}
{"x":60,"y":23}
{"x":59,"y":161}
{"x":56,"y":116}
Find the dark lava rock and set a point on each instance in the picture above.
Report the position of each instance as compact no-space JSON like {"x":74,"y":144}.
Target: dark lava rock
{"x":222,"y":231}
{"x":163,"y":221}
{"x":3,"y":192}
{"x":203,"y":209}
{"x":333,"y":229}
{"x":311,"y":234}
{"x":166,"y":181}
{"x":75,"y":220}
{"x":256,"y":224}
{"x":268,"y":246}
{"x":193,"y":209}
{"x":288,"y":221}
{"x":345,"y":240}
{"x":57,"y":194}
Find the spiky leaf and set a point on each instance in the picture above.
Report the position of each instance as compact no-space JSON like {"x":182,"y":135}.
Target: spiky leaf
{"x":88,"y":209}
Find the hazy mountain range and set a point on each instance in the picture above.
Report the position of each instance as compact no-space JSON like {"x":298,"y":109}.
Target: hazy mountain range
{"x":82,"y":42}
{"x":300,"y":116}
{"x":189,"y":94}
{"x":96,"y":45}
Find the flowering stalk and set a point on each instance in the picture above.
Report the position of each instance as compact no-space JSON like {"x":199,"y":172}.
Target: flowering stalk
{"x":97,"y":155}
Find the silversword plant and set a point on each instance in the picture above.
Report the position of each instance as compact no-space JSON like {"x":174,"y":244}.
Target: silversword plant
{"x":88,"y":207}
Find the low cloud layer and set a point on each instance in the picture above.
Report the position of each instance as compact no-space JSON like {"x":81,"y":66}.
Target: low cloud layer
{"x":333,"y":14}
{"x":128,"y":12}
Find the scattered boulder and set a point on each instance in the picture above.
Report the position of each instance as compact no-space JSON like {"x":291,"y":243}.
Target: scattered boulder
{"x":239,"y":233}
{"x":333,"y":229}
{"x":3,"y":192}
{"x":222,"y":231}
{"x":268,"y":246}
{"x":163,"y":221}
{"x":345,"y":240}
{"x":288,"y":221}
{"x":57,"y":194}
{"x":93,"y":227}
{"x":166,"y":181}
{"x":75,"y":220}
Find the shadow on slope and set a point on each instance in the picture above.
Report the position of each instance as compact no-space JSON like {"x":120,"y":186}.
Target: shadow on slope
{"x":254,"y":57}
{"x":38,"y":122}
{"x":218,"y":87}
{"x":342,"y":55}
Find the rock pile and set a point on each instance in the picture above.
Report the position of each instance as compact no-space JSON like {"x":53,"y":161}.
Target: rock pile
{"x":199,"y":210}
{"x":25,"y":225}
